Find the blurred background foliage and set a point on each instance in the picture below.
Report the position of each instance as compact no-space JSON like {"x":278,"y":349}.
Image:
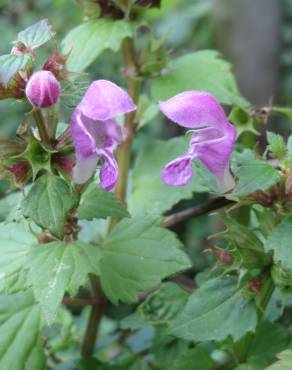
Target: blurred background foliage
{"x":185,"y":26}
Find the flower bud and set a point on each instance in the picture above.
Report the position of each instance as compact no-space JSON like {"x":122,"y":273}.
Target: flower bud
{"x":43,"y":89}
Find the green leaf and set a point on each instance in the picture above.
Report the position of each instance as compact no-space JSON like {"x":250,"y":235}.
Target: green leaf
{"x":243,"y":120}
{"x":19,"y":333}
{"x":147,"y":110}
{"x":276,"y":145}
{"x":91,"y":38}
{"x":206,"y":177}
{"x":202,"y":70}
{"x":48,"y":202}
{"x":279,"y":242}
{"x":192,"y":356}
{"x":98,"y":203}
{"x":284,"y":362}
{"x":56,"y":268}
{"x":284,"y":110}
{"x":149,"y":194}
{"x":10,"y":65}
{"x":137,"y":256}
{"x":269,"y":340}
{"x":255,"y":175}
{"x":16,"y":242}
{"x":164,"y":304}
{"x":36,"y":35}
{"x":214,"y":311}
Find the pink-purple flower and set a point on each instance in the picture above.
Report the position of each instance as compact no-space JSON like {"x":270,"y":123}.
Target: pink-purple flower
{"x":212,"y":140}
{"x":96,"y":133}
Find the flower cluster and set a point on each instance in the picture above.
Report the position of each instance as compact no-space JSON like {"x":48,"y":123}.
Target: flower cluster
{"x":96,"y":133}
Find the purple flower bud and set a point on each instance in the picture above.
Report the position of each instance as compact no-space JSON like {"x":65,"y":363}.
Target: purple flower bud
{"x":43,"y":89}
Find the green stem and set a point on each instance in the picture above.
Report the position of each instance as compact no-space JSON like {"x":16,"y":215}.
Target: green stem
{"x":265,"y":296}
{"x":40,"y":122}
{"x":96,"y":313}
{"x":125,"y":149}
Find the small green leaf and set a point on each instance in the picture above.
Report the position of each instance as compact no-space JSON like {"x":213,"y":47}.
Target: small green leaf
{"x":214,"y":311}
{"x":10,"y":65}
{"x":48,"y":202}
{"x":91,"y":38}
{"x":16,"y":242}
{"x":284,"y":362}
{"x":137,"y":256}
{"x":276,"y":145}
{"x":202,"y":70}
{"x":255,"y":175}
{"x":36,"y":35}
{"x":149,"y":194}
{"x":19,"y":333}
{"x":98,"y":203}
{"x":56,"y":268}
{"x":280,"y":243}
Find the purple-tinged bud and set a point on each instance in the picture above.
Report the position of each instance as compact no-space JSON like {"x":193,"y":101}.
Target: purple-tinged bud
{"x":56,"y":65}
{"x":43,"y":89}
{"x":255,"y":285}
{"x":225,"y":257}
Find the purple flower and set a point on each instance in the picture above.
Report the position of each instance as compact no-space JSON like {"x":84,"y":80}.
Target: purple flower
{"x":43,"y":89}
{"x":96,"y":134}
{"x":212,"y":140}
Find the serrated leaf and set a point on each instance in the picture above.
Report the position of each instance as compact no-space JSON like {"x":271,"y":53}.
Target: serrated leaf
{"x":255,"y":175}
{"x":91,"y":38}
{"x":137,"y":256}
{"x":48,"y":202}
{"x":276,"y":145}
{"x":202,"y":70}
{"x":214,"y":311}
{"x":36,"y":35}
{"x":98,"y":203}
{"x":19,"y":333}
{"x":16,"y":241}
{"x":284,"y":362}
{"x":279,"y":242}
{"x":149,"y":194}
{"x":56,"y":268}
{"x":10,"y":65}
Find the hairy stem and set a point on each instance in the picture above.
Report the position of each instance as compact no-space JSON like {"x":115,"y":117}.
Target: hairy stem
{"x":96,"y":313}
{"x":125,"y":149}
{"x":265,"y":296}
{"x":41,"y":125}
{"x":209,"y":206}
